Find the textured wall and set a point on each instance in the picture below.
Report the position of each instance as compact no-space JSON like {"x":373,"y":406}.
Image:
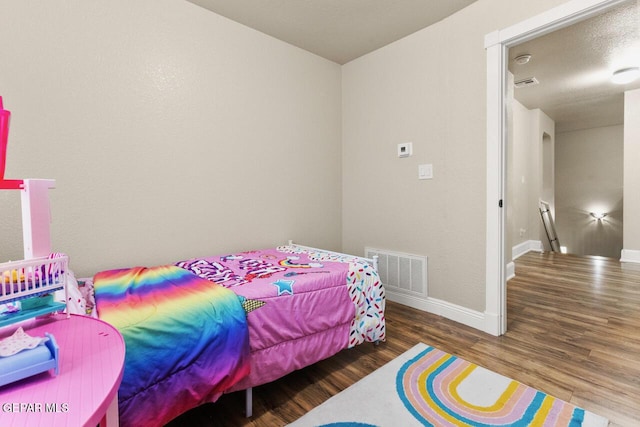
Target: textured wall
{"x":589,"y":172}
{"x":428,"y":88}
{"x":171,"y":132}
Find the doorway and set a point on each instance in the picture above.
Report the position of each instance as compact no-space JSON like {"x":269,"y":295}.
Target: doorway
{"x":497,"y":45}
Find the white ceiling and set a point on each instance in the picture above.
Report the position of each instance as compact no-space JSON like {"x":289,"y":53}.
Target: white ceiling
{"x":338,"y":30}
{"x":573,"y":65}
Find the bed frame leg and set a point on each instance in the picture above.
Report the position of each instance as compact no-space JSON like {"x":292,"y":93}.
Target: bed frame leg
{"x":248,"y":404}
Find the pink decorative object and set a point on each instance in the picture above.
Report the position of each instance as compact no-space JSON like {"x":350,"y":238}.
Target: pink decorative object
{"x":35,"y":199}
{"x":5,"y":184}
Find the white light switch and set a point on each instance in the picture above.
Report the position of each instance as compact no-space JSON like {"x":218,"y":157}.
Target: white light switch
{"x":425,"y":171}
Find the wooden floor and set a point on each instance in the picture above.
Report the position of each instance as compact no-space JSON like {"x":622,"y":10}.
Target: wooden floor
{"x":573,"y":332}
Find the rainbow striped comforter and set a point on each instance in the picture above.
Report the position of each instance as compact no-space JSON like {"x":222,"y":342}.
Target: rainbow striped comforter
{"x":186,"y":340}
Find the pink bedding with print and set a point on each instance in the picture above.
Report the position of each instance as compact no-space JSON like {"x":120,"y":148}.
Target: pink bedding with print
{"x":302,"y":306}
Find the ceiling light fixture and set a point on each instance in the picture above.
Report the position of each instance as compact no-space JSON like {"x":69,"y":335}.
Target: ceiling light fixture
{"x":522,"y":59}
{"x":599,"y":216}
{"x":626,"y":75}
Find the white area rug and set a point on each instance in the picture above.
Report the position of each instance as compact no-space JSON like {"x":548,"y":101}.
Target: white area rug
{"x":426,"y":386}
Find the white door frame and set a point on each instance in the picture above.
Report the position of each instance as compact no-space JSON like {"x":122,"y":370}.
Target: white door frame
{"x":497,"y":45}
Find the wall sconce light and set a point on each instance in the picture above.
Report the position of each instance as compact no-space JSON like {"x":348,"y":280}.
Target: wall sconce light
{"x":626,"y":75}
{"x":598,"y":215}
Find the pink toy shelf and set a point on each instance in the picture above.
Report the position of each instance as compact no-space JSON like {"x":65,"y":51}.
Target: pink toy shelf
{"x":36,"y":217}
{"x":27,"y":286}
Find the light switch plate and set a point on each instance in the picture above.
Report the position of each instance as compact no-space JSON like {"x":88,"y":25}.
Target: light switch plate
{"x":425,"y":171}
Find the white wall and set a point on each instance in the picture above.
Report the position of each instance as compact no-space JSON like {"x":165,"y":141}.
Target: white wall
{"x":171,"y":132}
{"x":529,"y":131}
{"x":543,"y":159}
{"x":520,"y":176}
{"x":631,"y":234}
{"x":589,"y":173}
{"x":430,"y":89}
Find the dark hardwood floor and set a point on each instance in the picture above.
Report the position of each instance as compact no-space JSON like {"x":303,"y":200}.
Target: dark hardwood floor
{"x":573,"y":332}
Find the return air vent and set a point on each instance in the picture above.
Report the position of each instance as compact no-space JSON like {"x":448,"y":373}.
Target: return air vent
{"x":529,"y":81}
{"x":400,"y":272}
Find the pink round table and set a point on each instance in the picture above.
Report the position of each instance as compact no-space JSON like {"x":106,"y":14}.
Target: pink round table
{"x":85,"y":391}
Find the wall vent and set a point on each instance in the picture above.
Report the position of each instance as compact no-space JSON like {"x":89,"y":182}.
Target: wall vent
{"x":529,"y":81}
{"x":401,"y":272}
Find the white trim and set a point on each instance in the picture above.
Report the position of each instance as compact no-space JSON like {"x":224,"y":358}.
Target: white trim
{"x":511,"y":270}
{"x":528,"y":246}
{"x":497,"y":44}
{"x":630,"y":255}
{"x":559,"y":17}
{"x":474,"y":319}
{"x":495,"y":262}
{"x":517,"y":251}
{"x":492,"y":323}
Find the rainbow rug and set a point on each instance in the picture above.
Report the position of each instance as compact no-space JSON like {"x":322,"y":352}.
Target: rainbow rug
{"x":428,"y":387}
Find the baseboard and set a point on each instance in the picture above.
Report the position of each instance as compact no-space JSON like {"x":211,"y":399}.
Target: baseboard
{"x":492,"y":324}
{"x":630,"y":255}
{"x":453,"y":312}
{"x":524,"y":247}
{"x":511,"y":270}
{"x":520,"y":249}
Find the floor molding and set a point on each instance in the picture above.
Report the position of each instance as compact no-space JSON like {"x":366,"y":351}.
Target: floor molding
{"x":630,"y":255}
{"x":454,"y":312}
{"x":519,"y":250}
{"x":511,"y":270}
{"x":524,"y":247}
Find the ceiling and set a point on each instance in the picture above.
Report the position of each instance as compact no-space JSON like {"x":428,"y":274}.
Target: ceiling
{"x":572,"y":65}
{"x":338,"y":30}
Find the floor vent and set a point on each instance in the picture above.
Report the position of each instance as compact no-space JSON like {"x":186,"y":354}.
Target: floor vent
{"x":401,"y":272}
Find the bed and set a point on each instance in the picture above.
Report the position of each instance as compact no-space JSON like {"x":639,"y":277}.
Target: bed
{"x":202,"y":327}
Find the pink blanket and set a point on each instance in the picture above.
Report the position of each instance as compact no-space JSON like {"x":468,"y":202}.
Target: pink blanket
{"x":303,"y":306}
